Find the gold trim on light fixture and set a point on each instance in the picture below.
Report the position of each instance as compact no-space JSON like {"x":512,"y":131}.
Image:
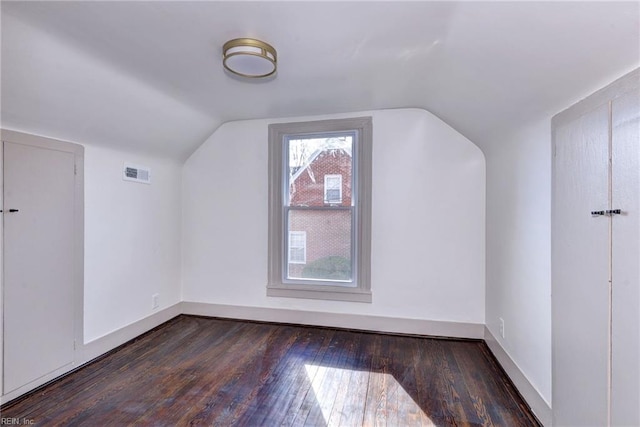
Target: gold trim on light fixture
{"x":249,"y":48}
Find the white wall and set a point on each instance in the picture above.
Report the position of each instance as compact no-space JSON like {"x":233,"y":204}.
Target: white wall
{"x":132,"y":240}
{"x":519,"y":249}
{"x":428,"y":220}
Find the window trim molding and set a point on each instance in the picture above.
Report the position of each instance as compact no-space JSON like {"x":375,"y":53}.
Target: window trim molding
{"x":276,"y":286}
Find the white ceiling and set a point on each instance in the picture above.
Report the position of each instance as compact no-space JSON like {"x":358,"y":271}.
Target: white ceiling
{"x":148,"y":75}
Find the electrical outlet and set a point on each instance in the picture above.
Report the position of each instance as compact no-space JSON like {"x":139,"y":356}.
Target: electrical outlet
{"x":155,"y":301}
{"x":502,"y":327}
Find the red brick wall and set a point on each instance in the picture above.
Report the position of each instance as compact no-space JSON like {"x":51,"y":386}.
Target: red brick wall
{"x":308,"y":188}
{"x":328,"y":234}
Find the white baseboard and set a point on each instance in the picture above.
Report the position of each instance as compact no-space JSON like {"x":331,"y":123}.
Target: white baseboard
{"x":338,"y":320}
{"x":100,"y":346}
{"x":36,"y":383}
{"x":538,"y":404}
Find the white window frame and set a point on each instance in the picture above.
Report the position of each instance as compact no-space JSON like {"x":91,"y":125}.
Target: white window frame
{"x":359,"y":288}
{"x":328,"y":178}
{"x":303,"y":234}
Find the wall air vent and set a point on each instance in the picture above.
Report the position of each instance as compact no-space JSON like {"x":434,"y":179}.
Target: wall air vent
{"x":136,"y":173}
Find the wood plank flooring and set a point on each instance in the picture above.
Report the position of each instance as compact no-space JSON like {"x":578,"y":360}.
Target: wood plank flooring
{"x":216,"y":372}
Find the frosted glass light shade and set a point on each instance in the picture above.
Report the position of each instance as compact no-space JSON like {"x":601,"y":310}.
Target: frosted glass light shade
{"x":249,"y":58}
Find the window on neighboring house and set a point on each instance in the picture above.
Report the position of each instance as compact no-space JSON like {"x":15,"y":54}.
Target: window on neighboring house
{"x":320,"y":209}
{"x":297,"y":247}
{"x":333,"y":188}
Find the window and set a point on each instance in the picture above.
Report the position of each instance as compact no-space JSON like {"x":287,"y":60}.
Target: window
{"x":297,"y":247}
{"x":320,"y":209}
{"x":333,"y":188}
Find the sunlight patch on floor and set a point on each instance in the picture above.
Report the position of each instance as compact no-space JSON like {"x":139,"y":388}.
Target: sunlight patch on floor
{"x":385,"y":399}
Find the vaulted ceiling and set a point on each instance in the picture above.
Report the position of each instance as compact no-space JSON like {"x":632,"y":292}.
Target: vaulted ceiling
{"x":147,"y":76}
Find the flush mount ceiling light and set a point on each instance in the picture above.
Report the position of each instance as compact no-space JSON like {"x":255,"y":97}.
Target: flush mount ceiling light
{"x":249,"y":58}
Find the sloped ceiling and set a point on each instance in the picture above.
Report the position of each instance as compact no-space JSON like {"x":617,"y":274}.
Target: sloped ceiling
{"x":147,"y":76}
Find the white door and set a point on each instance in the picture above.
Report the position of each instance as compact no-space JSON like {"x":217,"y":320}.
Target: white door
{"x":580,"y":270}
{"x":625,"y":398}
{"x":39,"y":300}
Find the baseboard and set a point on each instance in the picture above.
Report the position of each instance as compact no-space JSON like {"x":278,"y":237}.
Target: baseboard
{"x":338,"y":320}
{"x":538,"y":404}
{"x":98,"y":347}
{"x":35,"y":384}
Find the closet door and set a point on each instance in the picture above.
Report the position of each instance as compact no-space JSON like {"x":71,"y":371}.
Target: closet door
{"x":625,"y":398}
{"x":580,"y":269}
{"x":39,"y":271}
{"x":596,"y":258}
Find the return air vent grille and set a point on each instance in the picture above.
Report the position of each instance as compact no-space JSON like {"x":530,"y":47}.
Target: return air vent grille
{"x":136,"y":173}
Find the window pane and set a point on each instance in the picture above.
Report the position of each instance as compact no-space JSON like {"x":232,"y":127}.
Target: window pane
{"x":320,"y":171}
{"x":333,"y":196}
{"x":297,"y":247}
{"x":328,"y":245}
{"x":332,"y":182}
{"x":333,"y":189}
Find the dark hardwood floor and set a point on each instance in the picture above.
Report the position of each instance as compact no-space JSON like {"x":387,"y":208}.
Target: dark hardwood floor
{"x":216,"y":372}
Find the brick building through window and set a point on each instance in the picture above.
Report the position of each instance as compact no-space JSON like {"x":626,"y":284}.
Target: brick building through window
{"x":325,"y":180}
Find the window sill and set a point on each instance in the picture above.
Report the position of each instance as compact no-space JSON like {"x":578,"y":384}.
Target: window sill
{"x":309,"y":292}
